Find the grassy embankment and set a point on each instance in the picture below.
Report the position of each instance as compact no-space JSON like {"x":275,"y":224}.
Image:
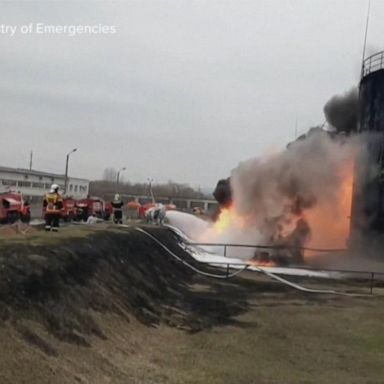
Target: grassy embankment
{"x":148,"y":321}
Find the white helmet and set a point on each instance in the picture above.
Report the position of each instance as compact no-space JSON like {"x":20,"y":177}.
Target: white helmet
{"x":117,"y":196}
{"x":54,"y":187}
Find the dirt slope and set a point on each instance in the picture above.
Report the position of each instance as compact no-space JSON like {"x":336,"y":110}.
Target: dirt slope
{"x":109,"y":306}
{"x":61,"y":289}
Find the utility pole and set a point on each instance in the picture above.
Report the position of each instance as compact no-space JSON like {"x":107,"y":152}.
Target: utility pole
{"x":66,"y":170}
{"x":365,"y":37}
{"x":150,"y":190}
{"x":30,"y":160}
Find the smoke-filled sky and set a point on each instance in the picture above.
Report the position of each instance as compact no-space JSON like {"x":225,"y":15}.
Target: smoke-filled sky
{"x":183,"y":91}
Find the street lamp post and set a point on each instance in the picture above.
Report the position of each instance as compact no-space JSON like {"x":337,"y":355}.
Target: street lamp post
{"x":118,"y":175}
{"x":66,"y":170}
{"x":150,"y":190}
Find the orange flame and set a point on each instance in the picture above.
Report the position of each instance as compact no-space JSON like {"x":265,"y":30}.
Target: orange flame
{"x":223,"y":221}
{"x":228,"y":217}
{"x":262,"y":263}
{"x":330,"y":220}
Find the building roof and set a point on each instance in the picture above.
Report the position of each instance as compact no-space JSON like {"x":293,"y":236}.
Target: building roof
{"x":36,"y":173}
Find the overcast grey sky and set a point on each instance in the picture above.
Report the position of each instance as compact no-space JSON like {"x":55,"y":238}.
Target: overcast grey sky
{"x":183,"y":91}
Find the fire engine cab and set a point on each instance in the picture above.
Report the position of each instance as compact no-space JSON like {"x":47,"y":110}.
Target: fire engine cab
{"x":13,"y":208}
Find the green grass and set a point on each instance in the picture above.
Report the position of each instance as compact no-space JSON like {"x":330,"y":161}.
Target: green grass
{"x":285,"y":337}
{"x":332,"y":342}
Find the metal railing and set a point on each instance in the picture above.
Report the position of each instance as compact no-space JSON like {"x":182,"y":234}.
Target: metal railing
{"x":258,"y":246}
{"x":372,"y":64}
{"x":370,"y":276}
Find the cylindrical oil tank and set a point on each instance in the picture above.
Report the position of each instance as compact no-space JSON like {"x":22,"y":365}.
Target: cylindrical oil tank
{"x":367,"y":220}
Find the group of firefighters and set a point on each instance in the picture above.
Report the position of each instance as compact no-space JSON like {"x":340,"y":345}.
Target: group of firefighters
{"x":53,"y":206}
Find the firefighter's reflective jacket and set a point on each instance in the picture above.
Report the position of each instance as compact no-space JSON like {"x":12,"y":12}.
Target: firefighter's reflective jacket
{"x":53,"y":203}
{"x":117,"y":205}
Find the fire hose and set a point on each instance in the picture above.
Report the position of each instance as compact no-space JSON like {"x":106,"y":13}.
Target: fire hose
{"x":217,"y":276}
{"x":254,"y":268}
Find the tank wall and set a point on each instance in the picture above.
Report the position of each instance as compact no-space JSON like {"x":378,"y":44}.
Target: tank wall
{"x":372,"y":102}
{"x":367,"y":219}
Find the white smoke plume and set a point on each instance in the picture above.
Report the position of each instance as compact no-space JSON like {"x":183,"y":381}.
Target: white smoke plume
{"x":298,"y":197}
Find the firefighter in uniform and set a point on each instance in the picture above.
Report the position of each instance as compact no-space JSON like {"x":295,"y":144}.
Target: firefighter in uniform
{"x":117,"y":206}
{"x":53,"y":206}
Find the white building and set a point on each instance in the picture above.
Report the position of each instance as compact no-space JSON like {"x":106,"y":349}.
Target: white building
{"x":32,"y":183}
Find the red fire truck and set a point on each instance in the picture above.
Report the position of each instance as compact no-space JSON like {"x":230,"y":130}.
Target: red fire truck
{"x":13,"y":208}
{"x":68,"y":212}
{"x":92,"y":205}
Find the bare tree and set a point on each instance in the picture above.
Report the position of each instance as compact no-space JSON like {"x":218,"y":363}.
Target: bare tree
{"x":106,"y":188}
{"x":110,"y":174}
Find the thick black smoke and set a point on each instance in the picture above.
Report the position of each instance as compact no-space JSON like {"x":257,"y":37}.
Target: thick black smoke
{"x":341,"y":111}
{"x":223,"y":192}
